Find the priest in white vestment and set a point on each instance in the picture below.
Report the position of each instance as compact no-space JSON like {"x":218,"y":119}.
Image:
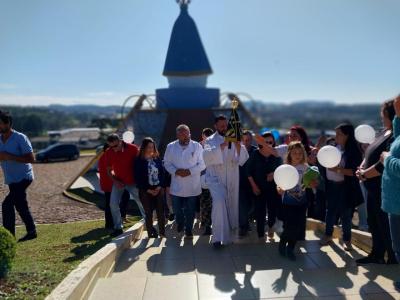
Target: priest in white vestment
{"x":222,"y":178}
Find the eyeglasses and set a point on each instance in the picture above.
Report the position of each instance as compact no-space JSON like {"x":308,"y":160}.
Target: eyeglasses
{"x":269,"y":142}
{"x":115,"y":146}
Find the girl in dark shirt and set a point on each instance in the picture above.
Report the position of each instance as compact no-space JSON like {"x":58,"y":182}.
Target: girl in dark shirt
{"x":370,"y":173}
{"x":343,"y":189}
{"x":150,"y":176}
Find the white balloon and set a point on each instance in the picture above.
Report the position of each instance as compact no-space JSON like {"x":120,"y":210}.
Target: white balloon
{"x":128,"y":137}
{"x":329,"y":156}
{"x":286,"y":177}
{"x":365,"y":134}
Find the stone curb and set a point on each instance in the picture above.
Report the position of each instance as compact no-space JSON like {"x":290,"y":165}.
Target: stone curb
{"x":81,"y":281}
{"x":359,"y":238}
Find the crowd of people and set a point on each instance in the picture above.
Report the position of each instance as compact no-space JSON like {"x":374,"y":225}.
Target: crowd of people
{"x":230,"y":185}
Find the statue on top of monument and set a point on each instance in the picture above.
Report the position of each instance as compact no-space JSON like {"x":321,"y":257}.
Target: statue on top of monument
{"x":183,"y":2}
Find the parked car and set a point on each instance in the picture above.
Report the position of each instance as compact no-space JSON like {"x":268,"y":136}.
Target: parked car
{"x":58,"y":152}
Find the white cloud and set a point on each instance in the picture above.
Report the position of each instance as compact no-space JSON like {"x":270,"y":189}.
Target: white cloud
{"x":43,"y":100}
{"x":7,"y":86}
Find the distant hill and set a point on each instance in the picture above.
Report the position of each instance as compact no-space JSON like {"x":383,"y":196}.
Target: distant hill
{"x":313,"y":115}
{"x":323,"y":115}
{"x":107,"y":111}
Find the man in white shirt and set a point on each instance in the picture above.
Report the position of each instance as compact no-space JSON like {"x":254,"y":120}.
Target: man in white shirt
{"x":183,"y":159}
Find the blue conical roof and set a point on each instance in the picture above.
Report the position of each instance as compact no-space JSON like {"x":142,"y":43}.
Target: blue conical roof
{"x":186,"y":55}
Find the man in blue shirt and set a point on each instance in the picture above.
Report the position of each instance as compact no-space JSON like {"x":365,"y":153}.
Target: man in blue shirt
{"x":16,"y":156}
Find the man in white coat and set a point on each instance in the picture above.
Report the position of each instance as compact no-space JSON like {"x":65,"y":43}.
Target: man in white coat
{"x":183,"y":159}
{"x":222,"y":178}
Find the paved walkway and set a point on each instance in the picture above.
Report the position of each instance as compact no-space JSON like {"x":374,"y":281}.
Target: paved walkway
{"x":175,"y":269}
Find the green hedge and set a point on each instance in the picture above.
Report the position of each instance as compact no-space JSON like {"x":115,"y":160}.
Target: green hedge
{"x":7,"y":251}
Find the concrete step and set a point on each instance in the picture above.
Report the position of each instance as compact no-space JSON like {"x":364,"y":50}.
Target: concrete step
{"x":119,"y":288}
{"x":251,"y":268}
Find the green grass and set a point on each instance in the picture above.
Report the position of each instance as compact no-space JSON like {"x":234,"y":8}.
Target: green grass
{"x":41,"y":264}
{"x":88,"y":195}
{"x":88,"y":152}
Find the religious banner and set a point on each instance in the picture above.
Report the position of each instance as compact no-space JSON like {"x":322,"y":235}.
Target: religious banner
{"x":234,"y":132}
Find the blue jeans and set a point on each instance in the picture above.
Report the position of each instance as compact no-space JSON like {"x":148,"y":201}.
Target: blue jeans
{"x":184,"y":209}
{"x":116,"y":195}
{"x":394,"y":221}
{"x":336,"y":206}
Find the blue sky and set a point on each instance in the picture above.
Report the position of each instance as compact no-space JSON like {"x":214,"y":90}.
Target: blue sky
{"x":100,"y":52}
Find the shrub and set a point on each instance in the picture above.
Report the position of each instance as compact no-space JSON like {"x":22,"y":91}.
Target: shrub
{"x":7,"y":251}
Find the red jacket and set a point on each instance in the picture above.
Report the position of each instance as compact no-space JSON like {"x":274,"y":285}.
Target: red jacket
{"x":121,"y":162}
{"x":106,"y":182}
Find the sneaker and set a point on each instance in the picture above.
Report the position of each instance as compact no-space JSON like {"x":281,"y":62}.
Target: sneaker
{"x":278,"y":226}
{"x":347,"y":246}
{"x":290,"y":254}
{"x":370,"y":260}
{"x":171,"y":217}
{"x":117,"y":232}
{"x":217,"y":245}
{"x":392,"y":261}
{"x":325,"y":240}
{"x":179,"y":228}
{"x":207,"y":231}
{"x":29,"y":236}
{"x":189,"y":236}
{"x":270,"y":233}
{"x":242,"y":233}
{"x":363,"y":228}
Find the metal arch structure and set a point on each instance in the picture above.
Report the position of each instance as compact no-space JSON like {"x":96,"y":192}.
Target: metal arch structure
{"x":225,"y":103}
{"x":139,"y":103}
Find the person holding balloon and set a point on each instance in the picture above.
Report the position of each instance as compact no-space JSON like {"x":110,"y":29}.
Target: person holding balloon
{"x":342,"y":187}
{"x":370,"y":172}
{"x":289,"y":180}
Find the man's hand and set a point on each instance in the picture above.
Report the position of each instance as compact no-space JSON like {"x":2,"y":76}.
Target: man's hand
{"x":384,"y":154}
{"x":223,"y":145}
{"x":120,"y":185}
{"x":280,"y":190}
{"x":256,"y":190}
{"x":360,"y":174}
{"x":314,"y":184}
{"x":183,"y":172}
{"x":180,"y":172}
{"x":4,"y":156}
{"x":151,"y":192}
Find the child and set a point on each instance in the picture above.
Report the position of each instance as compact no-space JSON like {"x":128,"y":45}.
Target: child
{"x":294,"y":203}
